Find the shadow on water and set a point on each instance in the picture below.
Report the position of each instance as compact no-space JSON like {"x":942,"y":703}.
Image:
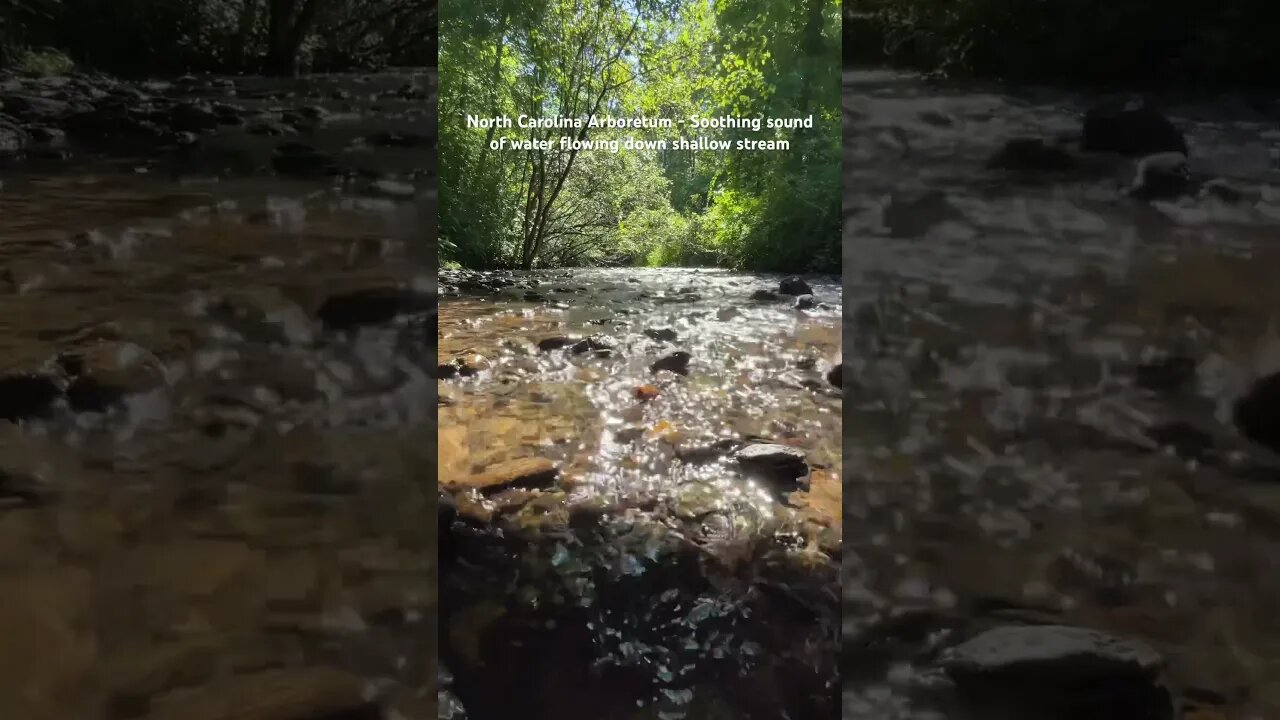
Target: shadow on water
{"x":1045,"y":489}
{"x":642,"y":494}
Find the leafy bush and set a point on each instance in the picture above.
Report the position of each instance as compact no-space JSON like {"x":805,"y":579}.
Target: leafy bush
{"x":44,"y":62}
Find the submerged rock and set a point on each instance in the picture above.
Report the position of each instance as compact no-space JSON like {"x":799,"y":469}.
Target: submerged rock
{"x":1133,"y":130}
{"x":104,"y":373}
{"x":1059,"y":672}
{"x":806,"y":302}
{"x":25,"y":396}
{"x":677,"y":362}
{"x":835,"y":374}
{"x":1162,"y":176}
{"x":1257,"y":412}
{"x":302,"y":160}
{"x":779,"y":465}
{"x":591,"y":344}
{"x":372,"y":306}
{"x":523,"y":472}
{"x":661,"y":334}
{"x":554,"y":343}
{"x":12,"y":137}
{"x":794,"y":286}
{"x":1028,"y":155}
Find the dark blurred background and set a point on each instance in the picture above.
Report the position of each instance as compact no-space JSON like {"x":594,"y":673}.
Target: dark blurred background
{"x":276,"y":37}
{"x":1087,"y":42}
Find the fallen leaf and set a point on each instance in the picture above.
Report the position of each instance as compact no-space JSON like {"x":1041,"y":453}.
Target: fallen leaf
{"x":645,"y":393}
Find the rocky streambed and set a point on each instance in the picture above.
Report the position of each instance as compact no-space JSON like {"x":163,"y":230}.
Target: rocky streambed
{"x":216,"y":416}
{"x":1060,"y":489}
{"x":641,"y":491}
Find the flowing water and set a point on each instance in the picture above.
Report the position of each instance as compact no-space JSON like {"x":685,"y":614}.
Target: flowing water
{"x":216,"y":456}
{"x":1038,"y":428}
{"x":622,"y":562}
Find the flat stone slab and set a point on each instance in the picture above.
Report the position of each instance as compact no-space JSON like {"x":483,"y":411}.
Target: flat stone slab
{"x":1050,"y":650}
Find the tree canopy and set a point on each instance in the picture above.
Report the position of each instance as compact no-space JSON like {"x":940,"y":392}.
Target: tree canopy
{"x":657,"y":202}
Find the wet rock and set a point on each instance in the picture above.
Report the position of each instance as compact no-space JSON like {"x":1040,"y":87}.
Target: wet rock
{"x":313,"y":113}
{"x":1032,"y":155}
{"x":529,"y":473}
{"x":317,"y":693}
{"x":262,"y":314}
{"x":936,"y":119}
{"x":193,"y":117}
{"x":104,"y":373}
{"x":1059,"y":672}
{"x":764,"y":296}
{"x":1222,"y":191}
{"x":1168,"y":375}
{"x":26,"y":396}
{"x":32,"y":108}
{"x":398,"y":139}
{"x":184,"y":139}
{"x":591,"y":344}
{"x":780,"y":465}
{"x":1186,"y":440}
{"x":270,"y":128}
{"x":470,"y":364}
{"x":112,"y":125}
{"x":31,"y":468}
{"x":47,"y":135}
{"x":662,"y":334}
{"x":1162,"y":176}
{"x":912,"y":214}
{"x":392,"y":189}
{"x":449,"y":707}
{"x":372,"y":306}
{"x":1133,"y":130}
{"x":794,"y":286}
{"x":1256,"y":413}
{"x":835,"y":374}
{"x":12,"y":137}
{"x":677,"y":362}
{"x":806,"y":302}
{"x":554,"y":343}
{"x":301,"y":160}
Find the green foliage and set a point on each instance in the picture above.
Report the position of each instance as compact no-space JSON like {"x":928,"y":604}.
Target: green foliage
{"x":657,"y":206}
{"x":43,"y":63}
{"x":1074,"y":41}
{"x":169,"y":37}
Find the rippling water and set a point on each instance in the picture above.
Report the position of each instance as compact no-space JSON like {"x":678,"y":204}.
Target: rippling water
{"x":677,"y":576}
{"x":1002,"y":438}
{"x":230,"y":511}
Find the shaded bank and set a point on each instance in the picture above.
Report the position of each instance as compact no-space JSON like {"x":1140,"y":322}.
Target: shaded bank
{"x":168,"y":37}
{"x":1095,"y":42}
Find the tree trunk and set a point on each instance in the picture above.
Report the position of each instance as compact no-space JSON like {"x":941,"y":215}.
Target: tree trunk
{"x":495,"y":76}
{"x":288,"y":24}
{"x":247,"y":21}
